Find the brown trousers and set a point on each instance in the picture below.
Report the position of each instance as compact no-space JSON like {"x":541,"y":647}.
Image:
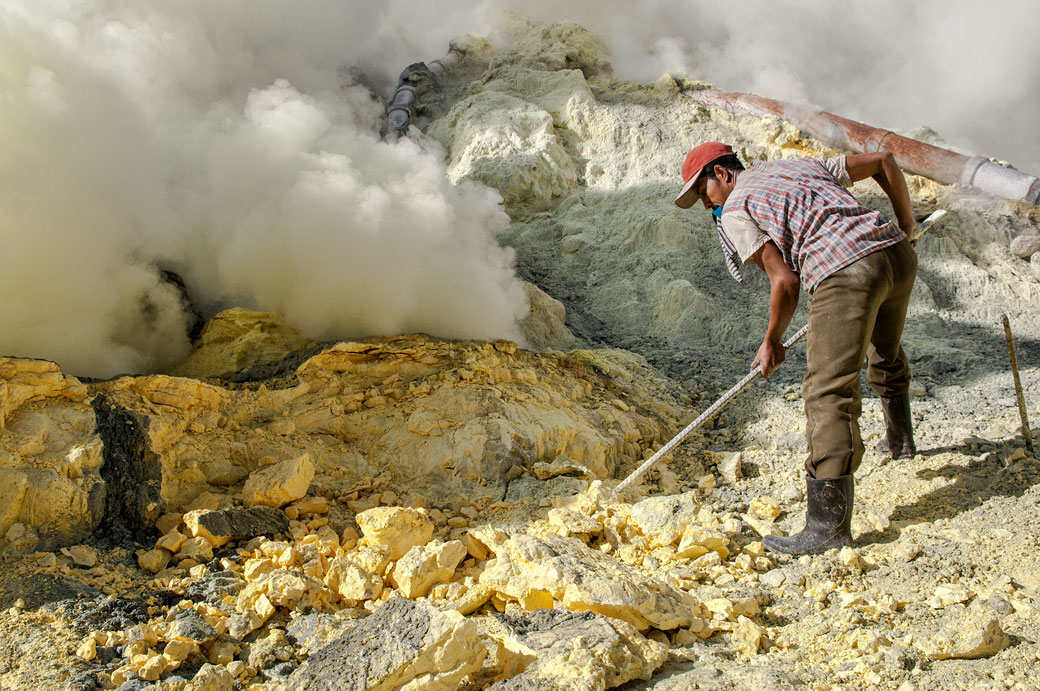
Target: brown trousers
{"x":856,"y":313}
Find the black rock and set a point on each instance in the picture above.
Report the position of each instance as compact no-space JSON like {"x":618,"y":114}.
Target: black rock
{"x":132,"y":472}
{"x":241,"y":524}
{"x":102,"y":615}
{"x":371,"y":650}
{"x":214,"y":587}
{"x":44,"y":588}
{"x":280,"y":672}
{"x":190,"y":625}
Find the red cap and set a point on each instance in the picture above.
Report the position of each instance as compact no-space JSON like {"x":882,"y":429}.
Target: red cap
{"x":702,"y":155}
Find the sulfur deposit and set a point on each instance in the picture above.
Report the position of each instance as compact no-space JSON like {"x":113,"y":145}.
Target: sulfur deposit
{"x":408,"y":512}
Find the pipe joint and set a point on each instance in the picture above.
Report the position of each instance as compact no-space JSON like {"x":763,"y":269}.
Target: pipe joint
{"x":1006,"y":182}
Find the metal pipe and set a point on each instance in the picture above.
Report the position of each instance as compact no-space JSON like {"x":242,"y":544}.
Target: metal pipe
{"x":399,"y":110}
{"x":941,"y":165}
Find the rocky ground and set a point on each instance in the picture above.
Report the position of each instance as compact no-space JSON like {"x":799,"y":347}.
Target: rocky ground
{"x":406,"y":512}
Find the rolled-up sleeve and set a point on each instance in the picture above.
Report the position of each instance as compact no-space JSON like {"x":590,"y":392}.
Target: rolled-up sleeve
{"x":836,"y":167}
{"x":747,"y":238}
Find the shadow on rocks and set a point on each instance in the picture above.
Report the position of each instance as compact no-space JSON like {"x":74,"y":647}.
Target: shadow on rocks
{"x":970,"y":487}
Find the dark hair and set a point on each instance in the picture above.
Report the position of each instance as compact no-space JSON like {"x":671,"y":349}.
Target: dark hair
{"x":729,"y":161}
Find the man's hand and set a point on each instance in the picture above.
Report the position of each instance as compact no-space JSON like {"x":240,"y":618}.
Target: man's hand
{"x":770,"y":356}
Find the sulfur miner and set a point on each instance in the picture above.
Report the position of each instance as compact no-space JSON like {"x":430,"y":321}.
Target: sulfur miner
{"x":796,"y":221}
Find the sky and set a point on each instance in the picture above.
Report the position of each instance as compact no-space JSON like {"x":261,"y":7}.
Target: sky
{"x":236,"y":142}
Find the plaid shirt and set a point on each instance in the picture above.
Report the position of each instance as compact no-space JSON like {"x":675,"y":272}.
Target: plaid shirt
{"x":817,"y":225}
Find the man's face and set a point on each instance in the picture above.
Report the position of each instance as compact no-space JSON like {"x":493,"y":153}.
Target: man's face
{"x":715,"y":191}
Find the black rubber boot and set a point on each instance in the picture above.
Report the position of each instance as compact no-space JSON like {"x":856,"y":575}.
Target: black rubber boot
{"x":899,"y":428}
{"x":828,"y":518}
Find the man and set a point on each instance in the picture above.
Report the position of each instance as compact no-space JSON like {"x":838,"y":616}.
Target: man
{"x":796,"y":221}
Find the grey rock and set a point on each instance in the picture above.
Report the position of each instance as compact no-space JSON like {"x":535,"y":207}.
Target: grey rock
{"x":214,"y":587}
{"x":190,"y":625}
{"x":401,"y":641}
{"x":666,"y":517}
{"x":1025,"y":246}
{"x":792,"y":494}
{"x":102,"y":614}
{"x":241,"y":524}
{"x":795,"y":573}
{"x":280,"y":671}
{"x":729,"y":467}
{"x":269,"y":651}
{"x":44,"y":588}
{"x":999,"y":605}
{"x":312,"y":632}
{"x":773,"y":579}
{"x":612,"y":652}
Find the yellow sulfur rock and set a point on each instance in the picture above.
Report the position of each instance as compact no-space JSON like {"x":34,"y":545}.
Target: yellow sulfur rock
{"x":81,"y":555}
{"x":312,"y":505}
{"x":179,"y":650}
{"x":397,"y":527}
{"x":474,"y":547}
{"x":254,"y":568}
{"x":569,"y":522}
{"x":351,"y":582}
{"x":695,"y":537}
{"x":168,"y":522}
{"x":473,"y":599}
{"x":755,"y":549}
{"x":582,"y":578}
{"x":536,"y":599}
{"x":46,"y":559}
{"x":87,"y":650}
{"x":349,"y":539}
{"x":969,"y":636}
{"x":197,"y":548}
{"x":663,"y":520}
{"x":280,"y":483}
{"x":373,"y":559}
{"x":197,"y":529}
{"x":154,"y":560}
{"x":747,"y":636}
{"x":766,"y":508}
{"x":263,"y":608}
{"x":152,"y":669}
{"x":222,"y":652}
{"x":143,"y":632}
{"x":761,"y":526}
{"x":172,"y":541}
{"x":426,"y":565}
{"x":946,"y":595}
{"x":850,"y":558}
{"x":211,"y":678}
{"x":134,"y":648}
{"x":287,"y":557}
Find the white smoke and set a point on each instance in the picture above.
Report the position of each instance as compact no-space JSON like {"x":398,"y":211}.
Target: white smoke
{"x":228,"y":142}
{"x":232,"y":142}
{"x":970,"y":70}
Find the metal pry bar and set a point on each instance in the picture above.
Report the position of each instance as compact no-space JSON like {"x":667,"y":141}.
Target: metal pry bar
{"x":927,"y":223}
{"x":726,"y":397}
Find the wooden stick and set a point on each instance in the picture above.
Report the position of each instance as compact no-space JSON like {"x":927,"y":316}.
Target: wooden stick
{"x":1018,"y":386}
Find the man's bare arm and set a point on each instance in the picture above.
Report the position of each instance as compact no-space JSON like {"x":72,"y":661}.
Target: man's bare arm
{"x":783,"y":299}
{"x":883,"y":168}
